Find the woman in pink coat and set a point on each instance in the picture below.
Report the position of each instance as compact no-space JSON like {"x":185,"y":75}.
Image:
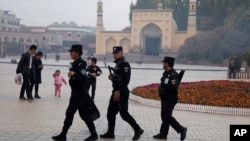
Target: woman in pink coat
{"x":58,"y":81}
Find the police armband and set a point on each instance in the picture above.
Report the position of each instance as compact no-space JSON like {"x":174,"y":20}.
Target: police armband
{"x":83,"y":72}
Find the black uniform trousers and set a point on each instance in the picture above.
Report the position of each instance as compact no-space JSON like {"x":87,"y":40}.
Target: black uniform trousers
{"x":92,"y":83}
{"x":26,"y":86}
{"x":167,"y":108}
{"x":79,"y":103}
{"x":122,"y":107}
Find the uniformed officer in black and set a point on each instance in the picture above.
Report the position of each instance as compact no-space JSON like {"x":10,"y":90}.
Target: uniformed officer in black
{"x":168,"y":92}
{"x":120,"y":95}
{"x":79,"y":96}
{"x":93,"y":71}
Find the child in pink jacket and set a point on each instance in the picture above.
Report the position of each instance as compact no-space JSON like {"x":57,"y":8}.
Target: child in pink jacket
{"x":58,"y":81}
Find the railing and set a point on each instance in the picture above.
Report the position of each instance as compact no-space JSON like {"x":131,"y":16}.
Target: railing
{"x":238,"y":75}
{"x":193,"y":107}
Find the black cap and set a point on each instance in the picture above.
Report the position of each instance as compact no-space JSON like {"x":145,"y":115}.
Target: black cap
{"x":76,"y":47}
{"x":168,"y":59}
{"x":117,"y":49}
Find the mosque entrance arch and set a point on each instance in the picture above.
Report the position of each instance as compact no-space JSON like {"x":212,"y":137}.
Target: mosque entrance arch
{"x":110,"y":43}
{"x":151,"y":38}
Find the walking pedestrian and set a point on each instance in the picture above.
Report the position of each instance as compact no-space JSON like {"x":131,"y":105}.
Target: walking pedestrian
{"x":25,"y":67}
{"x":168,"y":92}
{"x":57,"y":57}
{"x":79,"y":99}
{"x":120,"y":95}
{"x":105,"y":61}
{"x":232,"y":70}
{"x":38,"y":67}
{"x":45,"y":56}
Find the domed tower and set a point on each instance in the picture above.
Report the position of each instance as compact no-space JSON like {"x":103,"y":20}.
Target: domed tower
{"x":191,"y":28}
{"x":99,"y":27}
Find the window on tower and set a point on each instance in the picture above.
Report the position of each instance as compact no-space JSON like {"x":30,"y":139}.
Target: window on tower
{"x":78,"y":35}
{"x":70,"y":34}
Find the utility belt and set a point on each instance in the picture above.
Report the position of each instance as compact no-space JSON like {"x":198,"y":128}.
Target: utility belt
{"x":91,"y":77}
{"x":164,"y":94}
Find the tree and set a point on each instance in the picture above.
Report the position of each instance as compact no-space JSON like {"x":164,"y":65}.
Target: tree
{"x":189,"y":50}
{"x":215,"y":45}
{"x":215,"y":53}
{"x":211,"y":14}
{"x":246,"y":58}
{"x":242,"y":20}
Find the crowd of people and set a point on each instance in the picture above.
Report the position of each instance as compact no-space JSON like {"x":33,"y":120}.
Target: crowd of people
{"x":82,"y":75}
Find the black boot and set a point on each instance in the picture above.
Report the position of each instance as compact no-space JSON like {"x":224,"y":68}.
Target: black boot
{"x":108,"y":135}
{"x":92,"y":137}
{"x":60,"y":137}
{"x":183,"y":134}
{"x":160,"y":136}
{"x":138,"y":134}
{"x":37,"y":96}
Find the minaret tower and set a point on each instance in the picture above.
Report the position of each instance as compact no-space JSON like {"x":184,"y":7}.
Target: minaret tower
{"x":99,"y":27}
{"x":191,"y":28}
{"x":159,"y":5}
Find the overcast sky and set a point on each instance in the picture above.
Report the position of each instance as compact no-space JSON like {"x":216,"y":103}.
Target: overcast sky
{"x":83,"y":12}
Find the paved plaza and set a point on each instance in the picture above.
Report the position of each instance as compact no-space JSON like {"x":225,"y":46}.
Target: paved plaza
{"x":38,"y":120}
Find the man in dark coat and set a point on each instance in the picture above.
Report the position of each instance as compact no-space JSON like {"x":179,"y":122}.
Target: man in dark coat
{"x":119,"y":99}
{"x":38,"y":67}
{"x":232,"y":70}
{"x":25,"y":67}
{"x":79,"y":100}
{"x":168,"y":92}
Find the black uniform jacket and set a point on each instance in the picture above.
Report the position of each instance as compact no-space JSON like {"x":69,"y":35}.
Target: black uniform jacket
{"x":168,"y":89}
{"x":122,"y":73}
{"x":78,"y":85}
{"x":78,"y":80}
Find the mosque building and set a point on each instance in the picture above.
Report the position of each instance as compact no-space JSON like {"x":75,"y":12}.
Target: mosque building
{"x":153,"y":32}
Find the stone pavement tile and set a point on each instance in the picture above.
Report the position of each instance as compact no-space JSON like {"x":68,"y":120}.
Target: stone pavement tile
{"x":12,"y":136}
{"x":41,"y":119}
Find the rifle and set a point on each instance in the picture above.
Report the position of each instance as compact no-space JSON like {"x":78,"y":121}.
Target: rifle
{"x":115,"y":79}
{"x":181,"y":74}
{"x":110,"y":71}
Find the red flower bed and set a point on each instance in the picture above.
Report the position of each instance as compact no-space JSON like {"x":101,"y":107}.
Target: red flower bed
{"x":216,"y":93}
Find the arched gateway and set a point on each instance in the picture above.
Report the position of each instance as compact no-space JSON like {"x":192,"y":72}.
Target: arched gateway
{"x":151,"y":36}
